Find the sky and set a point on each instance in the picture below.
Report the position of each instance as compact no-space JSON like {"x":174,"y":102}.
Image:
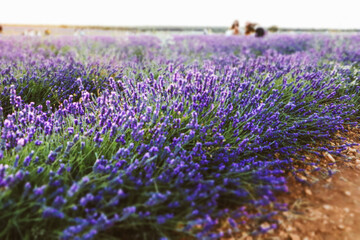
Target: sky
{"x":338,"y":14}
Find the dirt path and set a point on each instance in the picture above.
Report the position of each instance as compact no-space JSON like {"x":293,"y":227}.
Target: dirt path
{"x":328,"y":209}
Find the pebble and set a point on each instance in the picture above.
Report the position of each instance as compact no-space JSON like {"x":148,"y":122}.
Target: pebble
{"x":346,"y":210}
{"x":328,"y":156}
{"x":302,"y":177}
{"x":327,"y":207}
{"x":289,"y":228}
{"x":294,"y":236}
{"x":342,"y":227}
{"x":308,"y":192}
{"x":283,"y":235}
{"x":286,"y":214}
{"x":352,"y":150}
{"x":265,"y":225}
{"x":347,"y":193}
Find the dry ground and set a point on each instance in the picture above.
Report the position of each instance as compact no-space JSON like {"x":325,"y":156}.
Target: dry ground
{"x":326,"y":209}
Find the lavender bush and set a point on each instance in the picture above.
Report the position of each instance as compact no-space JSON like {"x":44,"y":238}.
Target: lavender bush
{"x":105,"y":138}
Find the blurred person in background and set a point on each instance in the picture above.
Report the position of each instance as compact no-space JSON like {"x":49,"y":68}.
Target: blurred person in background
{"x":234,"y":29}
{"x":259,"y":32}
{"x":249,"y":28}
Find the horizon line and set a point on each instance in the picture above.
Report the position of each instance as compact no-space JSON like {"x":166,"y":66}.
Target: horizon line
{"x":160,"y":27}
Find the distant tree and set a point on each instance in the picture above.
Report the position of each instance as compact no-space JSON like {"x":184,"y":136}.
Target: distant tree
{"x":273,"y":29}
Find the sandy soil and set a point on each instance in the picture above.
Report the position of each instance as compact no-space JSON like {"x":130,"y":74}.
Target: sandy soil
{"x":326,"y":208}
{"x":329,"y":209}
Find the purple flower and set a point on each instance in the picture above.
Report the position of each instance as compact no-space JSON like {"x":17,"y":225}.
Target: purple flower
{"x":76,"y":138}
{"x":21,"y":142}
{"x":73,"y":189}
{"x":85,"y":180}
{"x":39,"y":170}
{"x":70,"y":130}
{"x":50,"y":212}
{"x":82,"y":145}
{"x":58,"y":202}
{"x":27,"y":188}
{"x":89,"y":235}
{"x":39,"y":191}
{"x":52,"y":157}
{"x":163,"y":218}
{"x":19,"y":175}
{"x":84,"y":200}
{"x":157,"y":198}
{"x":232,"y":223}
{"x":27,"y":159}
{"x":128,"y":211}
{"x":154,"y":149}
{"x":17,"y":157}
{"x":8,"y":124}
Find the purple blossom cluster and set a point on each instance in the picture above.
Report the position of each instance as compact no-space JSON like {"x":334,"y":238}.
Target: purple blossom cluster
{"x":103,"y":137}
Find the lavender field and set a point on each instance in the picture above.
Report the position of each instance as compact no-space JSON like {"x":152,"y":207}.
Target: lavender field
{"x":188,"y":138}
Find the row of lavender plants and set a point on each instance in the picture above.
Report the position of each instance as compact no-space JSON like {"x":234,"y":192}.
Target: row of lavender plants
{"x":138,"y":138}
